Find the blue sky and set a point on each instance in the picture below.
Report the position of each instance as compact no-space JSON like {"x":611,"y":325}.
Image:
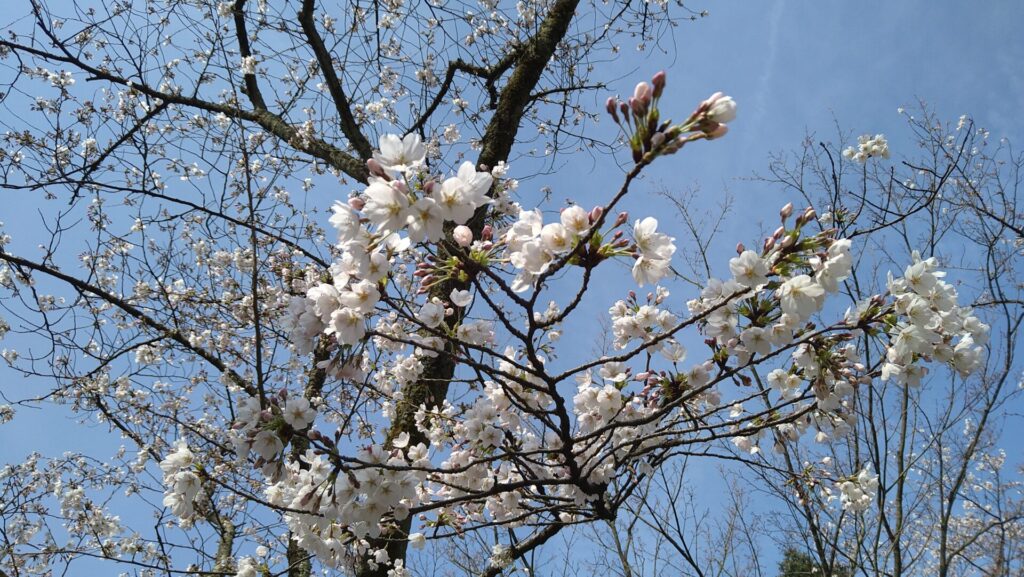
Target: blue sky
{"x":796,"y":66}
{"x":793,"y":67}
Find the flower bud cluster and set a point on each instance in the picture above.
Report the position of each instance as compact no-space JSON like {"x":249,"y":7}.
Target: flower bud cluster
{"x":640,"y":119}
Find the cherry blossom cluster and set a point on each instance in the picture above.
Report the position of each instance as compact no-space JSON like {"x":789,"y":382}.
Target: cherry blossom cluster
{"x":930,"y":325}
{"x":401,"y":197}
{"x":180,"y":481}
{"x":52,"y":505}
{"x":260,"y":429}
{"x":633,"y":321}
{"x":858,"y":493}
{"x":532,"y":246}
{"x":773,"y":293}
{"x":770,"y":304}
{"x":868,"y":147}
{"x":333,"y":512}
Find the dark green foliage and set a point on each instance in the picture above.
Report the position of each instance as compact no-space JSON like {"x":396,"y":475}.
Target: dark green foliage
{"x":796,"y":563}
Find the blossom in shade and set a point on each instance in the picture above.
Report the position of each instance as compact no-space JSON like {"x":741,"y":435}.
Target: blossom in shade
{"x":298,"y":413}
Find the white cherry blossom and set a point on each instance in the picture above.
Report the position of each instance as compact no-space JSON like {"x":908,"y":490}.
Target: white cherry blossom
{"x":400,"y":155}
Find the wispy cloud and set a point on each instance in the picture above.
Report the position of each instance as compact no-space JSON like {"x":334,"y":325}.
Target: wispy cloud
{"x":768,"y":71}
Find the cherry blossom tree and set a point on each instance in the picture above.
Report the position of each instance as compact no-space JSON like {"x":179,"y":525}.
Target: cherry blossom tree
{"x":305,"y":381}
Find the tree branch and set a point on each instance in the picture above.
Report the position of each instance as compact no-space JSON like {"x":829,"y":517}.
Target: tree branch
{"x":349,"y":126}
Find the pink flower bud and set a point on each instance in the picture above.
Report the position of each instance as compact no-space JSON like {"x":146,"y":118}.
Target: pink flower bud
{"x":719,"y":108}
{"x":487,"y":233}
{"x":786,"y":211}
{"x":704,"y":106}
{"x":621,"y":219}
{"x":779,"y":232}
{"x":596,"y":213}
{"x":639,"y":107}
{"x":718,"y":131}
{"x":810,"y":214}
{"x":428,"y":186}
{"x":659,"y":83}
{"x":374,"y":167}
{"x":462,"y":235}
{"x":740,"y":248}
{"x":610,"y":105}
{"x":642,"y":93}
{"x":356,"y":203}
{"x":769,"y":243}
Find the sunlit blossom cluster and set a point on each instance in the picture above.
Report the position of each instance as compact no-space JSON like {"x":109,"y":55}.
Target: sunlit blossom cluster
{"x":858,"y":492}
{"x":930,"y":325}
{"x":868,"y":147}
